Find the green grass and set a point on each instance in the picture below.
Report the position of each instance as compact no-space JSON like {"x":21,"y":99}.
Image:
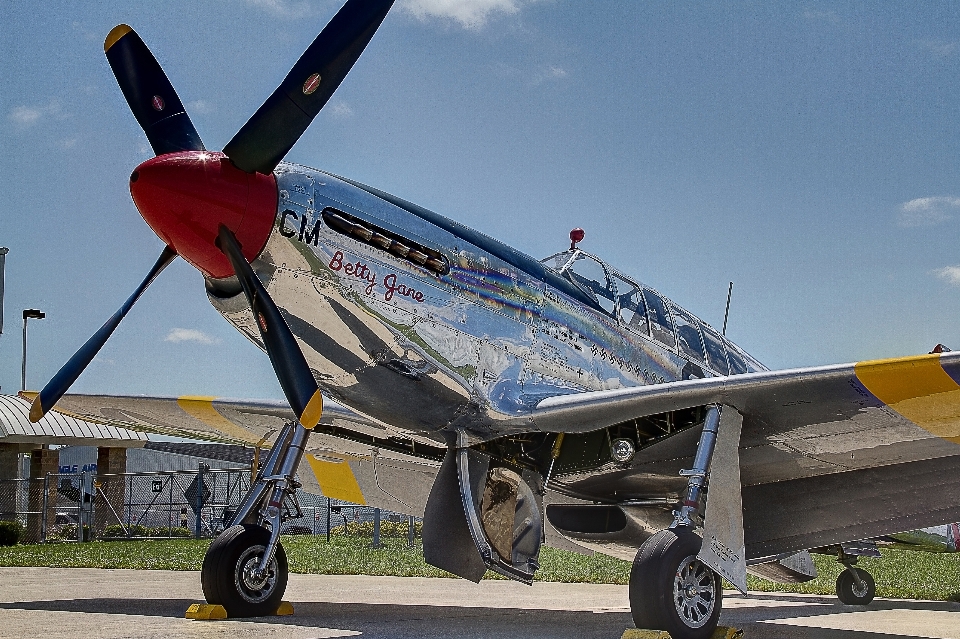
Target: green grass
{"x":305,"y":553}
{"x":901,"y":574}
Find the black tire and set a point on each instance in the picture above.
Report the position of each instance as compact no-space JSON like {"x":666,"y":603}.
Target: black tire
{"x":848,"y":591}
{"x":222,"y":575}
{"x":670,"y":589}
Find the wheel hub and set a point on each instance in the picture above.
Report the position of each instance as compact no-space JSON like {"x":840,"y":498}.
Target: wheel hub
{"x":253,"y":584}
{"x":859,"y":589}
{"x":695,"y":593}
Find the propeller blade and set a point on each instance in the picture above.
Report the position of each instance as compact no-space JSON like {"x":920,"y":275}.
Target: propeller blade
{"x":264,"y":140}
{"x":288,"y":362}
{"x":149,"y":93}
{"x":67,"y":375}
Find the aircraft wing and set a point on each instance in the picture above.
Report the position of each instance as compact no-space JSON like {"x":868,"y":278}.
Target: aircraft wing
{"x":827,"y":454}
{"x":350,"y":457}
{"x":921,"y":390}
{"x":214,"y":419}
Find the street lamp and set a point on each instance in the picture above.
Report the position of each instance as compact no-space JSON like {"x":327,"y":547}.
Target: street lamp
{"x":28,"y":313}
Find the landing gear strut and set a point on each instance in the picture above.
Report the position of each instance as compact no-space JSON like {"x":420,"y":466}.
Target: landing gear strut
{"x":670,"y":588}
{"x":245,"y":568}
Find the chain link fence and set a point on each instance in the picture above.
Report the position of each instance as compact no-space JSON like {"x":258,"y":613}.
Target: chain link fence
{"x":76,"y":507}
{"x":24,"y":500}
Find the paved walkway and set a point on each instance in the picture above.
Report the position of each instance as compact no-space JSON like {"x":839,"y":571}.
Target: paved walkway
{"x":133,"y":604}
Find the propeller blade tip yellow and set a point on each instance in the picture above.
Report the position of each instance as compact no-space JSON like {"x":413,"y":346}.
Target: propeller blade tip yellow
{"x":115,"y":34}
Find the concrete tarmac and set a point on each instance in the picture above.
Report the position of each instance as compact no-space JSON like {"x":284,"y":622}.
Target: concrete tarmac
{"x":135,"y":604}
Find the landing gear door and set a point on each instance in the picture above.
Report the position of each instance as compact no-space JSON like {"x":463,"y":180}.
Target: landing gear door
{"x":723,"y":547}
{"x":504,"y":511}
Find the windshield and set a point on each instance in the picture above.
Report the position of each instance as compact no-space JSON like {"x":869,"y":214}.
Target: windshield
{"x":590,"y":275}
{"x":716,"y":352}
{"x":644,"y":311}
{"x":688,"y":334}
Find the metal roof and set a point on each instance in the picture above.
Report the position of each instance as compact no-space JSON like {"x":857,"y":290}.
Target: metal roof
{"x":219,"y":452}
{"x":54,"y":428}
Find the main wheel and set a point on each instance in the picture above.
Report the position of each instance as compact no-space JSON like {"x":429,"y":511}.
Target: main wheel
{"x":850,"y":593}
{"x":228,"y":575}
{"x":672,"y":590}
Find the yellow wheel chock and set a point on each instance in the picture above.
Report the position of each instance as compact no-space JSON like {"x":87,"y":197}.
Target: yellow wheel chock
{"x":206,"y":612}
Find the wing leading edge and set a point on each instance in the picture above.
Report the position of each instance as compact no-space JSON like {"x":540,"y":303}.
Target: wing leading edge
{"x":922,"y":390}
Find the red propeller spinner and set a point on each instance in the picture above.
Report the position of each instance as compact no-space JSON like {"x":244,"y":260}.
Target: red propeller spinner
{"x":186,"y":196}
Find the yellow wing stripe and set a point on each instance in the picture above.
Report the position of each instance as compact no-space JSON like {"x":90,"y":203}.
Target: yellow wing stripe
{"x":336,"y":480}
{"x":917,"y":388}
{"x":201,"y":408}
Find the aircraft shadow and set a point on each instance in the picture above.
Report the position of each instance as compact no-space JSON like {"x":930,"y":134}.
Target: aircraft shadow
{"x":389,"y":620}
{"x":380,"y":620}
{"x":819,"y":604}
{"x":755,"y":618}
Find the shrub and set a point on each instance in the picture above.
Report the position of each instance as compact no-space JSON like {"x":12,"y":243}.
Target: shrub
{"x":297,"y":530}
{"x":115,"y":531}
{"x":10,"y":533}
{"x":68,"y":532}
{"x":387,"y":529}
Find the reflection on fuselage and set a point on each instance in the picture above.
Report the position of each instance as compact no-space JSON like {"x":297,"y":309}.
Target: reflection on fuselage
{"x":416,"y":320}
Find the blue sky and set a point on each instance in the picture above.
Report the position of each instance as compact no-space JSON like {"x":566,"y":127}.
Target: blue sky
{"x":808,"y":152}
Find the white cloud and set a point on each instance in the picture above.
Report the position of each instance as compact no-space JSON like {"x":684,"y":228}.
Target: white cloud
{"x":341,"y":110}
{"x":927,"y":211}
{"x":530,"y":74}
{"x":26,"y":116}
{"x":199,"y":106}
{"x":189,"y":335}
{"x":551,"y":73}
{"x":949,"y":274}
{"x":471,"y":14}
{"x":87,"y":33}
{"x":282,"y":8}
{"x":939,"y":48}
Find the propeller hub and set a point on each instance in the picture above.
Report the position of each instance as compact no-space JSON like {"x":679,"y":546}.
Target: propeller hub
{"x":186,"y":196}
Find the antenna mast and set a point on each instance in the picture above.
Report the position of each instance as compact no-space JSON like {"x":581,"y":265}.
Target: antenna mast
{"x":726,"y":313}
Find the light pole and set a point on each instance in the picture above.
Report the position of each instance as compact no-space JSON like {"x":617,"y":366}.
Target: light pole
{"x":3,"y":258}
{"x":28,"y":313}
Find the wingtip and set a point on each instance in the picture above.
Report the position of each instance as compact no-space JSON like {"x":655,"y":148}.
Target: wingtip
{"x":115,"y":34}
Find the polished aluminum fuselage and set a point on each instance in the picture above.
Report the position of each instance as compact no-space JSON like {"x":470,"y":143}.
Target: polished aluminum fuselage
{"x":475,"y":348}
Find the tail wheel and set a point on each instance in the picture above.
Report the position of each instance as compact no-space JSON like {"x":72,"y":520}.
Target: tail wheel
{"x":672,"y":590}
{"x":229,"y":574}
{"x":852,"y":593}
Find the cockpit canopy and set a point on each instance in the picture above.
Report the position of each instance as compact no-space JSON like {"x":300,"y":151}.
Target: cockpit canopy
{"x":646,"y":312}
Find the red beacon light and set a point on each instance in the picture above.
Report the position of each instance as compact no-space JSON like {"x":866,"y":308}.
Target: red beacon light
{"x":576,"y":235}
